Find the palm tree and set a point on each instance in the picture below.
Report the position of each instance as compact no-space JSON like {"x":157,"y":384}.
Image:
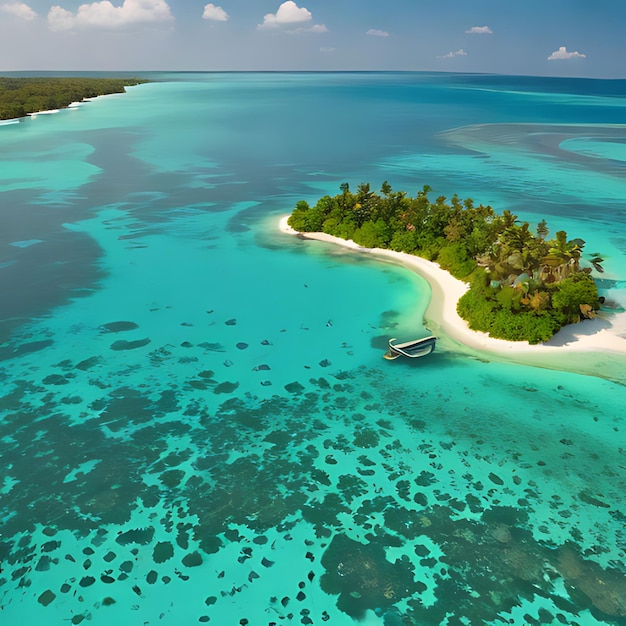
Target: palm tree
{"x":563,"y":258}
{"x":515,"y":238}
{"x":504,"y":221}
{"x":596,"y":261}
{"x":542,"y":230}
{"x":519,"y":249}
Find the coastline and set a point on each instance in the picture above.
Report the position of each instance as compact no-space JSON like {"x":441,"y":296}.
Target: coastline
{"x":603,"y":337}
{"x":100,"y":86}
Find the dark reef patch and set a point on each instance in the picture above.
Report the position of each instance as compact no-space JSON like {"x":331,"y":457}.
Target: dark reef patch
{"x":226,"y":387}
{"x":122,"y":344}
{"x":46,"y":597}
{"x":193,"y":559}
{"x":118,"y":327}
{"x":363,"y":578}
{"x":380,"y":342}
{"x":13,"y":351}
{"x":55,"y":379}
{"x":589,"y":499}
{"x":142,"y":536}
{"x":295,"y":387}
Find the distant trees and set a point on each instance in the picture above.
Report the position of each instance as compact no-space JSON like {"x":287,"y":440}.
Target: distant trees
{"x":522,"y":286}
{"x":21,"y":96}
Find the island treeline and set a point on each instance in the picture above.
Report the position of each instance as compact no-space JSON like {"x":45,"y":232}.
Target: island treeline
{"x":524,"y":286}
{"x":21,"y":96}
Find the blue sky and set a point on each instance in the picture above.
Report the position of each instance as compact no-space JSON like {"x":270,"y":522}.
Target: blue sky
{"x":534,"y":37}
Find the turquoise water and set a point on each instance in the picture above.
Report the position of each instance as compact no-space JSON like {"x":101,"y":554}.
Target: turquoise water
{"x":197,"y":425}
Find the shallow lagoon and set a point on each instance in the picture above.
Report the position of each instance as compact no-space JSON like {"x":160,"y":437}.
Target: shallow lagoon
{"x":197,"y":425}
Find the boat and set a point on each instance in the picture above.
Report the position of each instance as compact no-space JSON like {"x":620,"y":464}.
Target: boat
{"x":410,"y":349}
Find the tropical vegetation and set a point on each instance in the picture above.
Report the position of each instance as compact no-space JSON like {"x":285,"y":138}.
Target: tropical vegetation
{"x":524,"y":286}
{"x":21,"y":96}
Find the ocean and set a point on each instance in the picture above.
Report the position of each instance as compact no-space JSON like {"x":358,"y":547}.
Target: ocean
{"x":196,"y":424}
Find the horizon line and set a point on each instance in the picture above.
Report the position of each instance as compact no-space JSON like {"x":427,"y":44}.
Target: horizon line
{"x":308,"y":71}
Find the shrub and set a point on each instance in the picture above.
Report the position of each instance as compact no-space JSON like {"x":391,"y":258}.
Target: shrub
{"x":524,"y":326}
{"x":403,"y":241}
{"x":509,"y":298}
{"x":367,"y":236}
{"x":477,"y":310}
{"x":454,"y":258}
{"x":479,"y":280}
{"x":571,"y":292}
{"x":297,"y":220}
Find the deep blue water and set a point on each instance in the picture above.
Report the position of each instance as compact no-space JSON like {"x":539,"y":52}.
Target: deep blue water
{"x":196,"y":423}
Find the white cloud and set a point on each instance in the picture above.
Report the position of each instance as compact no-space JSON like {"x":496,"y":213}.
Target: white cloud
{"x":217,"y":14}
{"x":288,"y":13}
{"x":562,"y":53}
{"x":479,"y":30}
{"x":327,"y":49}
{"x":60,"y":19}
{"x":377,"y":33}
{"x":105,"y":15}
{"x":316,"y":28}
{"x":451,"y":55}
{"x":19,"y":9}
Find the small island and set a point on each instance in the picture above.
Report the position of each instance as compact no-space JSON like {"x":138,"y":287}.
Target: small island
{"x":523,"y":285}
{"x":21,"y":96}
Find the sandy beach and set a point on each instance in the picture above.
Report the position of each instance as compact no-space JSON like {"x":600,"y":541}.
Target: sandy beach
{"x":34,"y":114}
{"x":598,"y":339}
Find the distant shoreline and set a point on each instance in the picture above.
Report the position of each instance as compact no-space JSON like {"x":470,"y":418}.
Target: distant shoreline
{"x":22,"y":97}
{"x":598,"y":336}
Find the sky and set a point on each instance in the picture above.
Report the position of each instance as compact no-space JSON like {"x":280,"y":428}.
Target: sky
{"x":530,"y":37}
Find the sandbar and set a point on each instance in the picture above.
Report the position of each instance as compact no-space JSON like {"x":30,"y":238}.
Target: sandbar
{"x":600,"y":342}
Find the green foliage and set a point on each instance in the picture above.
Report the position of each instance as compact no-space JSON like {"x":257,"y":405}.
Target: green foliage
{"x":20,"y":96}
{"x":477,"y":310}
{"x":345,"y":230}
{"x":367,"y":236}
{"x":297,"y":220}
{"x":509,"y":298}
{"x":455,"y":259}
{"x":479,"y":239}
{"x":428,"y":247}
{"x":479,"y":280}
{"x":542,"y":229}
{"x":485,"y":315}
{"x":538,"y":301}
{"x":538,"y":284}
{"x":314,"y":219}
{"x":523,"y":326}
{"x":571,"y":292}
{"x":372,"y":234}
{"x":403,"y":241}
